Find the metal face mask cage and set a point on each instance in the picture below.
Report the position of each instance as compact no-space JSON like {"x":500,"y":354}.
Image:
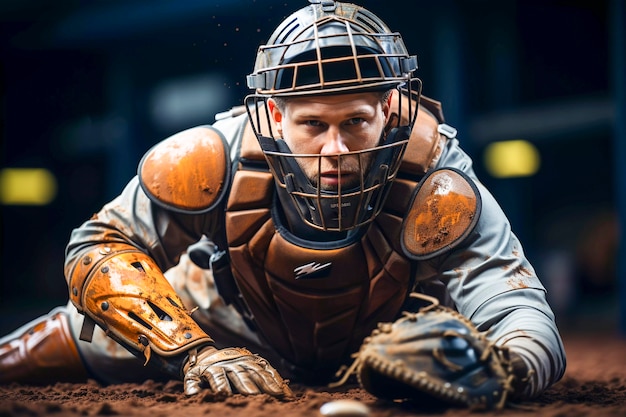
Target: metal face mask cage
{"x":333,"y":48}
{"x":341,"y":209}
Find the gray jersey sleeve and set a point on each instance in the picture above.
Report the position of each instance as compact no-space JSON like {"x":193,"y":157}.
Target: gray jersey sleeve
{"x":132,"y":218}
{"x":490,"y":281}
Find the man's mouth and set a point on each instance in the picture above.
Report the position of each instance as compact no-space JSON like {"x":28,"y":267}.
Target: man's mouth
{"x":332,"y":179}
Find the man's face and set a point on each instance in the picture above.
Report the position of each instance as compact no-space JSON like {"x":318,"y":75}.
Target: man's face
{"x":330,"y":126}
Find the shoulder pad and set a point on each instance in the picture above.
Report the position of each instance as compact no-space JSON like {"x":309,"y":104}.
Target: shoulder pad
{"x":188,"y":172}
{"x":445,"y":208}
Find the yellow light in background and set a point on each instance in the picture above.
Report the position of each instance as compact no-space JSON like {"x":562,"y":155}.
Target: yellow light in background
{"x":27,"y":186}
{"x":513,"y":158}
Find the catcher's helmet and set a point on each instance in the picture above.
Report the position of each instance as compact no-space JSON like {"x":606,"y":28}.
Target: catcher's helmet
{"x":330,"y":47}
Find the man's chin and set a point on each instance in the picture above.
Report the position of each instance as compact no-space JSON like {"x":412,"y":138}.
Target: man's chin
{"x":334,"y":188}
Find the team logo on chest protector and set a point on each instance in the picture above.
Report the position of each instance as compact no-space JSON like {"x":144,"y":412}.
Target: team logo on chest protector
{"x":312,"y":270}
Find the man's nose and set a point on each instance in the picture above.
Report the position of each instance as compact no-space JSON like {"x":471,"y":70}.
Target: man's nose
{"x":334,"y":142}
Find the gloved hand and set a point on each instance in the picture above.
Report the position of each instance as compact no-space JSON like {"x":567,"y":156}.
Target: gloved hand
{"x":232,"y":370}
{"x":435,"y":356}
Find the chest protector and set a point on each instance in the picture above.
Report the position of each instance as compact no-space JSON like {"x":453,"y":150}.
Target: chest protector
{"x":315,"y":302}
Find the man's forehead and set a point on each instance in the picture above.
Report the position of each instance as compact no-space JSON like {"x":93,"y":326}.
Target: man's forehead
{"x":341,"y":102}
{"x":337,"y":98}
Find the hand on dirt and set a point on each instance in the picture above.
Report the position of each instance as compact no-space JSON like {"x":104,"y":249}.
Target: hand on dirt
{"x":233,"y":370}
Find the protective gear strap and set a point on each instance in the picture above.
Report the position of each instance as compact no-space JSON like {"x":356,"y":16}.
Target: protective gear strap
{"x":250,"y":148}
{"x":125,"y":292}
{"x":188,"y":172}
{"x":426,"y":142}
{"x":445,"y":208}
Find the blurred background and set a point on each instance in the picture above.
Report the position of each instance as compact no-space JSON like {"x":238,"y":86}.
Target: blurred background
{"x":535,"y":88}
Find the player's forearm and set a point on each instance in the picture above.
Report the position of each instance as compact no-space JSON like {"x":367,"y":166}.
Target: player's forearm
{"x":522,"y":321}
{"x":122,"y":290}
{"x":113,"y":268}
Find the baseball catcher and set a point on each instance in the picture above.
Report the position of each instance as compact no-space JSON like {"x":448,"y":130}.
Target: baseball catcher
{"x":289,"y":234}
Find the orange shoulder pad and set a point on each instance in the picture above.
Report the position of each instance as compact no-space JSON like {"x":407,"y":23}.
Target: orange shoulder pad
{"x":188,"y":172}
{"x":444,"y":210}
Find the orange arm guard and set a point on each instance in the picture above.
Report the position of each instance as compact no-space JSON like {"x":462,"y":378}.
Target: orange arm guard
{"x":124,"y":291}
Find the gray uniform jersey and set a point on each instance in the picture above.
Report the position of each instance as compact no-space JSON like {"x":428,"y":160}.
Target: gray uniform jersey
{"x":487,"y":279}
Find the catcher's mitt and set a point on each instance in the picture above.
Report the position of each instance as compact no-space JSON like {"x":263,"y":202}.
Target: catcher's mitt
{"x":435,"y":357}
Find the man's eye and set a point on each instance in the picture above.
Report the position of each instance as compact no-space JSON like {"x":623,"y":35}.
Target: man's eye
{"x":314,"y":123}
{"x":355,"y":121}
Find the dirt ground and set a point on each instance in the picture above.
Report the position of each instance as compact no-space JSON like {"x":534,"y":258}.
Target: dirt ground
{"x":594,"y":385}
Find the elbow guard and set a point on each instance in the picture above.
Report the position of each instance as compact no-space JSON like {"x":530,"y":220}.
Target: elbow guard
{"x":125,"y":292}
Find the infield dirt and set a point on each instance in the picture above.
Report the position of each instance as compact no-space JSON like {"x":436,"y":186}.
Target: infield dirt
{"x":594,"y":385}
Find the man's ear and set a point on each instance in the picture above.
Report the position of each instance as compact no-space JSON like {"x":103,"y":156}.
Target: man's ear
{"x":276,"y":114}
{"x":387,"y":105}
